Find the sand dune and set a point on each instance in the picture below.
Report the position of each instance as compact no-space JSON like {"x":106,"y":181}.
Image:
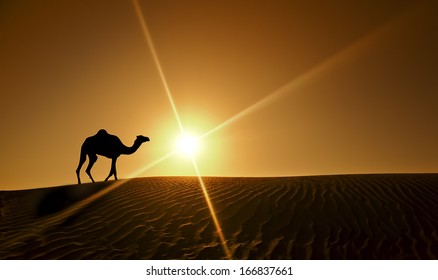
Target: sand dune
{"x":320,"y":217}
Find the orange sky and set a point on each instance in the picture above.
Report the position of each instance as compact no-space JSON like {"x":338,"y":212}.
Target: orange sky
{"x":285,"y":88}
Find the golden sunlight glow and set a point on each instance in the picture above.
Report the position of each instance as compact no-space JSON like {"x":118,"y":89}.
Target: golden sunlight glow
{"x":188,"y":144}
{"x":341,"y":57}
{"x":157,"y":61}
{"x":212,"y":212}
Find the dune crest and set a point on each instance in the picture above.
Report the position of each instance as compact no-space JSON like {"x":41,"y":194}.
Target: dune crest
{"x":319,"y":217}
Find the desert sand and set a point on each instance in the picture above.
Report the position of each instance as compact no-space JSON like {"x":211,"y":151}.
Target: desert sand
{"x":314,"y":217}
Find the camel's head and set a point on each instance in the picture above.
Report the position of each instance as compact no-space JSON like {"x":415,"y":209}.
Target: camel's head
{"x":141,"y":139}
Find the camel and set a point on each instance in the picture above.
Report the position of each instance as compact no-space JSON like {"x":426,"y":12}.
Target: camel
{"x":110,"y":146}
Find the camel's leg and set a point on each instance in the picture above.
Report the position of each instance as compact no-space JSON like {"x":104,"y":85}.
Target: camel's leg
{"x":78,"y":170}
{"x":82,"y":159}
{"x":92,"y":159}
{"x":113,"y":170}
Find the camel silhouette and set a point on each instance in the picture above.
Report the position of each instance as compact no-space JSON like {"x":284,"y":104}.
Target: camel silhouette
{"x":110,"y":146}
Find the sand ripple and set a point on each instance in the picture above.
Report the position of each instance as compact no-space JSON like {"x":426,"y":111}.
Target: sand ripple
{"x":320,"y":217}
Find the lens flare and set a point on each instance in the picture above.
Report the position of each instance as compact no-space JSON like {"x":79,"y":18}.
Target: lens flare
{"x":75,"y":208}
{"x":152,"y":164}
{"x":343,"y":56}
{"x":157,"y":61}
{"x":212,"y":212}
{"x":187,"y":144}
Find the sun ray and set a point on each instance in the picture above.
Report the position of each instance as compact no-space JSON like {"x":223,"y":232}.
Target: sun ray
{"x":175,"y":111}
{"x":152,"y":164}
{"x":76,"y":207}
{"x":157,"y":61}
{"x":288,"y":88}
{"x":212,"y":211}
{"x":343,"y":56}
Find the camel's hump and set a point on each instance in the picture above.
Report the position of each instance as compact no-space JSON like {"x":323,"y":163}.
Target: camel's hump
{"x":102,"y":132}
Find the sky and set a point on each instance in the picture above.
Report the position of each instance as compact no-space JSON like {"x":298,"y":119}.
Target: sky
{"x":272,"y":88}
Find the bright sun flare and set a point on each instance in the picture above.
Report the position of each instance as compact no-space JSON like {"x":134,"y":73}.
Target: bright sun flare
{"x":188,"y":144}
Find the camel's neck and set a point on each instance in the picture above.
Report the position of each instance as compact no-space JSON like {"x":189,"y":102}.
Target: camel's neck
{"x":132,"y":149}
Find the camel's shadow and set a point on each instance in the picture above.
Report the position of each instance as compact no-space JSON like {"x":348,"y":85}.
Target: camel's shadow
{"x":58,"y":199}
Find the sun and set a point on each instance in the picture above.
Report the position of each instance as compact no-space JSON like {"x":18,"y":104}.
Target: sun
{"x":188,"y":144}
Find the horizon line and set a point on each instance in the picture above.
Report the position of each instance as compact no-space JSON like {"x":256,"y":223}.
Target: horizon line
{"x":221,"y":176}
